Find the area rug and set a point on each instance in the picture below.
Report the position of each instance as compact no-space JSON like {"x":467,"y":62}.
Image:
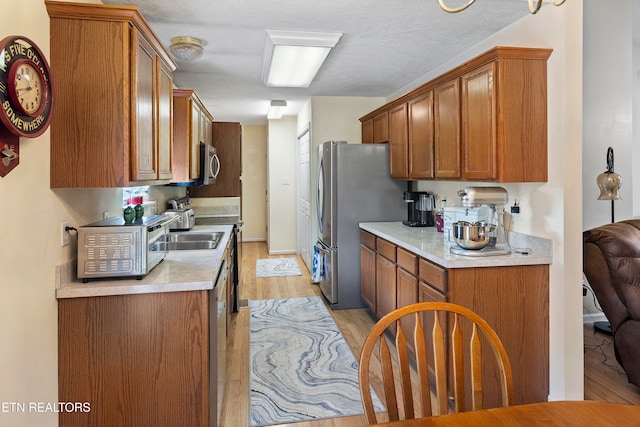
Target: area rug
{"x":273,"y":267}
{"x":301,"y":367}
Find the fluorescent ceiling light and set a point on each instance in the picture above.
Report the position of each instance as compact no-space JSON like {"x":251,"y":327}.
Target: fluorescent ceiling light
{"x":292,"y":58}
{"x":276,"y":110}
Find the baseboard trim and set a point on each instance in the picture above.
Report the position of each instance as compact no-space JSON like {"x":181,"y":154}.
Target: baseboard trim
{"x":283,"y":252}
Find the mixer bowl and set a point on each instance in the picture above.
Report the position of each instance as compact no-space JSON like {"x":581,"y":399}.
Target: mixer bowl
{"x":472,"y":236}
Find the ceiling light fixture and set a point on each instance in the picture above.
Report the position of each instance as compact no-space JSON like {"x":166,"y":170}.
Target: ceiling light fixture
{"x":186,"y":48}
{"x":293,"y":58}
{"x":276,"y":110}
{"x":533,"y":8}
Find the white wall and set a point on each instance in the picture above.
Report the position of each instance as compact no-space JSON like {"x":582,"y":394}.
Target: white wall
{"x":609,"y":86}
{"x":551,"y":209}
{"x":30,"y":251}
{"x":608,"y":95}
{"x":281,"y":185}
{"x":254,"y":183}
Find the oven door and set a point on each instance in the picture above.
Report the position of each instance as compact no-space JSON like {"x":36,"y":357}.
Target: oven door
{"x":156,"y":236}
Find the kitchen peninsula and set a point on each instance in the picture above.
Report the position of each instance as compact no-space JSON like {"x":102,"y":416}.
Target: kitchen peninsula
{"x":149,"y":351}
{"x":402,"y":265}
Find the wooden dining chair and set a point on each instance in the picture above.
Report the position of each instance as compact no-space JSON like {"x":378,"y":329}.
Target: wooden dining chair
{"x":406,"y":355}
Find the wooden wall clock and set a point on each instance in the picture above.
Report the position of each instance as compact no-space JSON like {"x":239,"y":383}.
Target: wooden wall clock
{"x":26,"y":96}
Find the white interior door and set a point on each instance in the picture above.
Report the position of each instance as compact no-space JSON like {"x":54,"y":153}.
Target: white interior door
{"x":304,"y":198}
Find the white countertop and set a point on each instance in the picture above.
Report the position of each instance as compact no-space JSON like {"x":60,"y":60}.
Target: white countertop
{"x":180,"y":271}
{"x":433,"y":246}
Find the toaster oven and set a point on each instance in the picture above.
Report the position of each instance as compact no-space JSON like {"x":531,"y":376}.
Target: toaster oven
{"x":111,"y":248}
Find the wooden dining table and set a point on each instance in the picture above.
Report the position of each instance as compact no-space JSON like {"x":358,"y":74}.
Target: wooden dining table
{"x":548,"y":414}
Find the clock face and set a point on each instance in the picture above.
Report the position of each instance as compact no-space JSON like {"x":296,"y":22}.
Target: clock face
{"x":25,"y":87}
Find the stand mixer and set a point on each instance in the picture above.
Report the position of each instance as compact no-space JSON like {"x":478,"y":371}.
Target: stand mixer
{"x":495,"y":198}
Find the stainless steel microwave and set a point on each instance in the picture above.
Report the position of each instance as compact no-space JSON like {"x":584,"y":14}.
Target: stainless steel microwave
{"x":209,"y":164}
{"x":111,"y":248}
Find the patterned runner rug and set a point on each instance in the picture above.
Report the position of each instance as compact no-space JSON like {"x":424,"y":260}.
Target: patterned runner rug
{"x":301,"y":367}
{"x":271,"y":267}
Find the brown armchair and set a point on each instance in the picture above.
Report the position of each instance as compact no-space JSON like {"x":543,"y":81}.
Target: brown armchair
{"x":611,"y":264}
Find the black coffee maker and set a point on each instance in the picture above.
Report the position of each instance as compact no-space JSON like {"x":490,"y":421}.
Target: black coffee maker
{"x":420,"y":209}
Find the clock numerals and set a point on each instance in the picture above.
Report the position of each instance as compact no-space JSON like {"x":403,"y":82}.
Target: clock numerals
{"x":27,"y":87}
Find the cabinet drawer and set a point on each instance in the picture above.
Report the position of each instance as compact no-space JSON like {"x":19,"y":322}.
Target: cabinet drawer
{"x":408,"y":261}
{"x":368,"y":239}
{"x":386,"y":249}
{"x":434,"y":275}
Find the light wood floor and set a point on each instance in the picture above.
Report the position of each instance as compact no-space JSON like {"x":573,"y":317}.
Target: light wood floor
{"x":603,"y":380}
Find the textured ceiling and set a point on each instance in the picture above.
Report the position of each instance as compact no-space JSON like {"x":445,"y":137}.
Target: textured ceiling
{"x":386,"y":45}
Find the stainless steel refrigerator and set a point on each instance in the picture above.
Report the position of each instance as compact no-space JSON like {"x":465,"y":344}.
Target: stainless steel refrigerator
{"x":354,"y":186}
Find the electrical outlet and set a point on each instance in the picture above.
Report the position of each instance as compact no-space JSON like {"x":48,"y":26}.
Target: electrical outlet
{"x":105,"y":215}
{"x":64,"y":237}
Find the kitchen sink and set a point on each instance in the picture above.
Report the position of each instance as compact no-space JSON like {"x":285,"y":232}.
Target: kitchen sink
{"x":187,"y":241}
{"x":189,"y":236}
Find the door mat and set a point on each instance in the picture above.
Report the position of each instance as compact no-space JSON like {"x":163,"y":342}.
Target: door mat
{"x":274,"y":267}
{"x":301,"y":367}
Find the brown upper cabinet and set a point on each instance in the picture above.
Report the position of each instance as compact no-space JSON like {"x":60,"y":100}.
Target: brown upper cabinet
{"x":227,"y":139}
{"x":488,"y":122}
{"x":421,"y":137}
{"x":191,"y":125}
{"x":113,"y":78}
{"x":447,"y":129}
{"x":398,"y":142}
{"x":367,"y":132}
{"x":376,"y":129}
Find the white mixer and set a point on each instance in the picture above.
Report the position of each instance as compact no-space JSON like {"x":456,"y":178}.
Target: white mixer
{"x":482,"y":238}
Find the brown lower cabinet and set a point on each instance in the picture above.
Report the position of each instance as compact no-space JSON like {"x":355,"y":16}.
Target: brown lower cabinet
{"x":138,"y":360}
{"x":514,"y":300}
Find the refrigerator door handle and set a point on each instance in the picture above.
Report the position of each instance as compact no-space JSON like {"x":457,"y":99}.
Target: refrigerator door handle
{"x":320,"y":194}
{"x":322,"y":247}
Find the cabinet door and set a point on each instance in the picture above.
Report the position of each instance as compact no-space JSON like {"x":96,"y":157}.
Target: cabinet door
{"x":398,"y":142}
{"x":165,"y":120}
{"x":204,"y":130}
{"x":143,"y":139}
{"x":407,"y":293}
{"x":368,"y":277}
{"x":381,"y":128}
{"x":446,"y":110}
{"x":385,"y":286}
{"x":196,"y":114}
{"x":367,"y":131}
{"x":479,"y":124}
{"x":140,"y":360}
{"x":421,"y":137}
{"x":181,"y":144}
